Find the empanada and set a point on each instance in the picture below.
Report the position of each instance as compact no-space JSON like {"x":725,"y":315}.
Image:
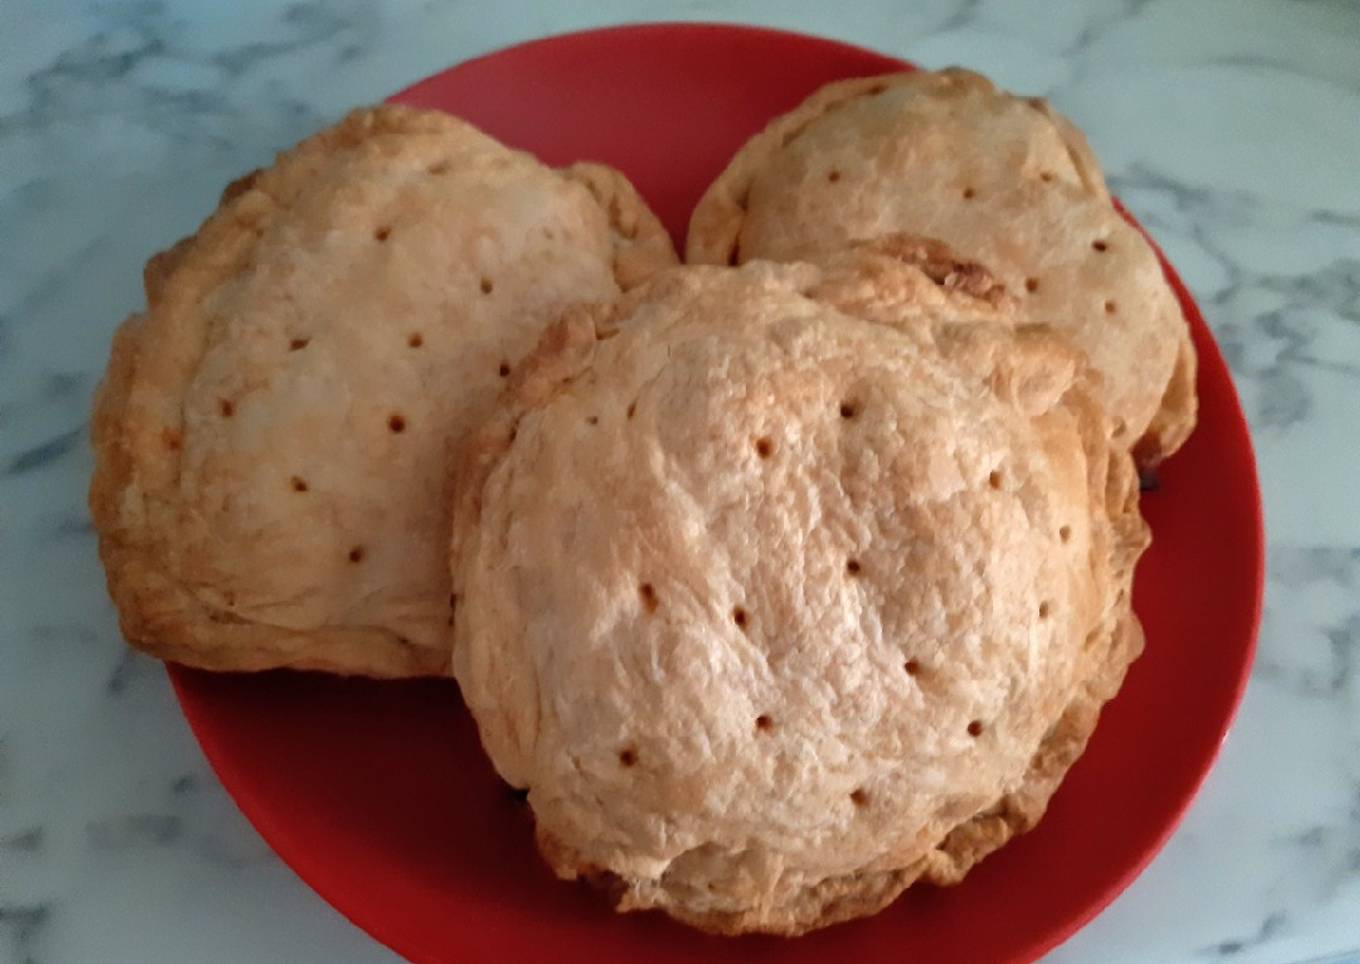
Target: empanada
{"x":775,"y":610}
{"x":1002,"y":179}
{"x":272,"y":435}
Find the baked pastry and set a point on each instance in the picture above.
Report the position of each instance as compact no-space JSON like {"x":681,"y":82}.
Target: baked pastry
{"x":775,"y":610}
{"x":1002,"y":179}
{"x":271,"y":437}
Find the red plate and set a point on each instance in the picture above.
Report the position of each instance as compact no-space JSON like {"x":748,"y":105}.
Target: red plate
{"x":378,"y":795}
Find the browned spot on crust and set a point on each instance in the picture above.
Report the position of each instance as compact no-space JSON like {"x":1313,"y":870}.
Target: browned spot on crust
{"x":938,"y":262}
{"x":240,"y":186}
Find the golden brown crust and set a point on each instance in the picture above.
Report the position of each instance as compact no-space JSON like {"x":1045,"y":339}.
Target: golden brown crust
{"x":271,"y":435}
{"x":1005,"y":180}
{"x":833,"y":900}
{"x":942,"y":265}
{"x":1176,"y":415}
{"x":641,"y":245}
{"x":167,"y":620}
{"x":716,"y":222}
{"x":644,"y":401}
{"x":1112,"y":645}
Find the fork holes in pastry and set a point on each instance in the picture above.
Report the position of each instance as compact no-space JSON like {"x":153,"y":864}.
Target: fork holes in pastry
{"x":877,"y":89}
{"x":1065,"y":533}
{"x":740,"y":617}
{"x":975,"y":728}
{"x":1031,"y":285}
{"x":632,"y":409}
{"x":396,"y":424}
{"x":969,"y":193}
{"x":173,"y":439}
{"x":225,"y":407}
{"x":297,"y":344}
{"x":628,"y":756}
{"x":763,"y":723}
{"x":849,"y":409}
{"x":298,"y":483}
{"x":440,"y":168}
{"x":994,"y":478}
{"x":1045,"y":608}
{"x":852,"y":567}
{"x":764,"y":447}
{"x":504,"y":370}
{"x":649,"y":598}
{"x":592,"y":420}
{"x":1118,"y":427}
{"x":1111,"y":307}
{"x":487,"y":285}
{"x":833,"y":176}
{"x":858,"y":797}
{"x":415,"y":339}
{"x":912,"y":667}
{"x":382,"y":233}
{"x":356,"y":554}
{"x":1046,"y":176}
{"x":1100,"y":246}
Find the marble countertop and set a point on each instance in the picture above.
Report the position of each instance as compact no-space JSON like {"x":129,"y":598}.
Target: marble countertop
{"x":1231,"y":128}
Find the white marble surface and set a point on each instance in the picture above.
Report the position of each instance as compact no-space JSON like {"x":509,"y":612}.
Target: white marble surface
{"x":1230,"y":127}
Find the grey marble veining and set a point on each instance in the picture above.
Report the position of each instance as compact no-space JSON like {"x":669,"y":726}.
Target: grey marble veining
{"x":1231,"y":128}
